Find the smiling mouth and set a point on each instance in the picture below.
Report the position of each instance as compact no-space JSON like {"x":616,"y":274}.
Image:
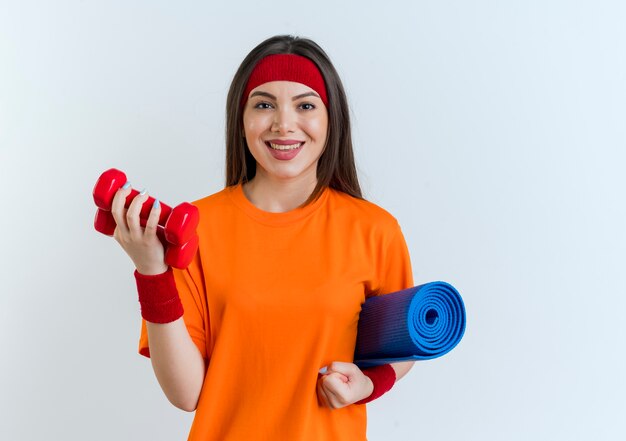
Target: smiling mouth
{"x":284,"y":147}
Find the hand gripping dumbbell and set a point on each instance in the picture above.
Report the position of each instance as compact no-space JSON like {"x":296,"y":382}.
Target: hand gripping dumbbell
{"x":176,"y":229}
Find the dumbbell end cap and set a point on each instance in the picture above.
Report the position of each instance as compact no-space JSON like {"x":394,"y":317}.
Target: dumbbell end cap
{"x":181,"y":256}
{"x":182,"y":223}
{"x":106,"y":186}
{"x":104,"y":222}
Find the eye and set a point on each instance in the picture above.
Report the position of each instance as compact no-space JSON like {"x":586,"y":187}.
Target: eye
{"x":307,"y":106}
{"x":262,"y":105}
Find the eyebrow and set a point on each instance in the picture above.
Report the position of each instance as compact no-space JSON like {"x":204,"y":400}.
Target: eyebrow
{"x":297,"y":97}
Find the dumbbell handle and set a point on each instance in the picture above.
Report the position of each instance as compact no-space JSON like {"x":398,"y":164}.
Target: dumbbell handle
{"x":176,"y":232}
{"x":166,"y":210}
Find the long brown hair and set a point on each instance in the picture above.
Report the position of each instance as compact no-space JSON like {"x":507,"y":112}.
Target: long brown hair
{"x":336,"y":168}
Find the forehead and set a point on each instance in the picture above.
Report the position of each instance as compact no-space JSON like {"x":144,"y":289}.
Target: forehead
{"x":283,"y":88}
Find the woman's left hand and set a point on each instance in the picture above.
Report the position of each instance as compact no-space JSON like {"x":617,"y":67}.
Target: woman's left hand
{"x":342,"y":384}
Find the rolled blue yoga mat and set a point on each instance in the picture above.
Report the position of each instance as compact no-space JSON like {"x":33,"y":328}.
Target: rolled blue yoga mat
{"x":418,"y":323}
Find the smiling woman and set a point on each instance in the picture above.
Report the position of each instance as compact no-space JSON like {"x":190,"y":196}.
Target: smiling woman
{"x":288,"y":253}
{"x":286,"y":126}
{"x":286,"y":58}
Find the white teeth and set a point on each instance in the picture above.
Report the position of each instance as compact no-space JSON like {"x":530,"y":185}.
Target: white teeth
{"x":285,"y":147}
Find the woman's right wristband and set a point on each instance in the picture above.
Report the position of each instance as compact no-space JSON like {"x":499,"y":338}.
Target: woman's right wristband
{"x":158,"y":297}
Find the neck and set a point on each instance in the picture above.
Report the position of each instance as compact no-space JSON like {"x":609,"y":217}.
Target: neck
{"x":278,"y":195}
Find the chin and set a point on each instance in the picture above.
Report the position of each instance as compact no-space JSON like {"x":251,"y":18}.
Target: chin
{"x":291,"y":171}
{"x":286,"y":176}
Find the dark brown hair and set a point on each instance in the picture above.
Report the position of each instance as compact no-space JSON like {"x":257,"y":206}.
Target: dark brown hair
{"x":336,"y":168}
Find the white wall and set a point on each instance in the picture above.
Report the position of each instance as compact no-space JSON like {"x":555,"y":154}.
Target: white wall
{"x":494,"y":131}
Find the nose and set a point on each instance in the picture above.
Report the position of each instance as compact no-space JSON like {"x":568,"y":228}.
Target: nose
{"x":284,"y":121}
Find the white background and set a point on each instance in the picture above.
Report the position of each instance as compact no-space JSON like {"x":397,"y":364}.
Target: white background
{"x":493,"y":130}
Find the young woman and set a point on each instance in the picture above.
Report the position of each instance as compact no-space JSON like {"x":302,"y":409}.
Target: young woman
{"x":257,"y":335}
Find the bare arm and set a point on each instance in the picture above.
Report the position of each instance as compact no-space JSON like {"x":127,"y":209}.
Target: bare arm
{"x":402,"y":368}
{"x":177,"y":362}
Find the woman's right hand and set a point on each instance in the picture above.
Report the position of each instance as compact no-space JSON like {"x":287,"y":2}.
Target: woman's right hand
{"x":141,"y":244}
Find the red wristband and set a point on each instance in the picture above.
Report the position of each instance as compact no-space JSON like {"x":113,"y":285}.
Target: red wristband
{"x":383,"y":377}
{"x":158,"y":297}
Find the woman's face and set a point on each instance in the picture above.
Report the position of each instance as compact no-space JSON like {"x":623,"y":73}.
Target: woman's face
{"x":285,"y":126}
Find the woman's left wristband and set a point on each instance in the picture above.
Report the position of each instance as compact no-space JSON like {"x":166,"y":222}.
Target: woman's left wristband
{"x":383,"y":378}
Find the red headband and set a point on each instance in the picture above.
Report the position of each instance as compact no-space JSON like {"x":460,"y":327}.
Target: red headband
{"x":286,"y":67}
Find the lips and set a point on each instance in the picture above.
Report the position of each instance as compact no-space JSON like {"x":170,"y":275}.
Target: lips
{"x":284,"y":150}
{"x":284,"y":145}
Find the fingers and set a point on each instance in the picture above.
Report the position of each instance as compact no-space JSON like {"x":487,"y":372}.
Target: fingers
{"x":347,"y":370}
{"x":153,"y":219}
{"x":322,"y":395}
{"x":132,"y":215}
{"x":141,"y":243}
{"x":128,"y":220}
{"x":119,"y":211}
{"x":333,"y":390}
{"x":336,"y":389}
{"x":342,"y":384}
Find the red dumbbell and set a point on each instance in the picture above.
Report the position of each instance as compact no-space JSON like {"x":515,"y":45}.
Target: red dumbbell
{"x":176,"y":229}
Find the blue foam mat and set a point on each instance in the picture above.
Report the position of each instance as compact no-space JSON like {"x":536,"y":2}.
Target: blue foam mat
{"x":419,"y":323}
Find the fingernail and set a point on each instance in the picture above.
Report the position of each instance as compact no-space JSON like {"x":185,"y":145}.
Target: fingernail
{"x":156,"y":204}
{"x":323,"y":370}
{"x":142,"y":192}
{"x":125,"y":186}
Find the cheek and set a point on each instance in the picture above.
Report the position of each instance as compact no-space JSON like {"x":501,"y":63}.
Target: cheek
{"x":248,"y":125}
{"x":253,"y":125}
{"x":317,"y":127}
